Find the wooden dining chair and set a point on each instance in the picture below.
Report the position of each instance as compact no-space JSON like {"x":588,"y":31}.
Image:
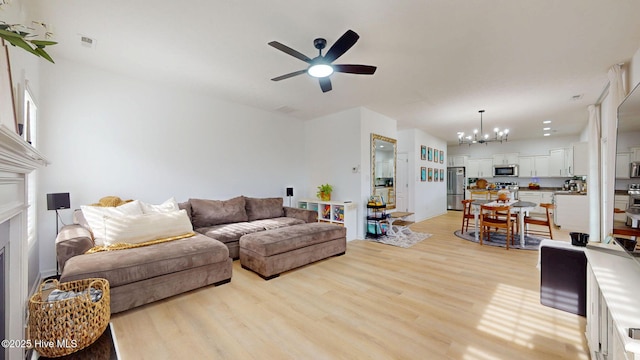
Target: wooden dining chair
{"x":496,"y":217}
{"x":546,"y":222}
{"x":467,"y":215}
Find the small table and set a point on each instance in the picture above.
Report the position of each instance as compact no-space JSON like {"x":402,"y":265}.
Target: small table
{"x":399,"y":220}
{"x":521,"y":207}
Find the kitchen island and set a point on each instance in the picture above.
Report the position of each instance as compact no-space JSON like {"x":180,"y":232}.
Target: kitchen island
{"x":572,"y":211}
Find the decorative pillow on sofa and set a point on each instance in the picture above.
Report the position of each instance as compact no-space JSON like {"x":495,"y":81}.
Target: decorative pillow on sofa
{"x":167,"y":206}
{"x":95,"y":217}
{"x":265,"y":208}
{"x":135,"y":229}
{"x":213,"y":212}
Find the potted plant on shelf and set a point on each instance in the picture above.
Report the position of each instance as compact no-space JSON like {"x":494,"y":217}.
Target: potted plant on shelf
{"x":324,"y":192}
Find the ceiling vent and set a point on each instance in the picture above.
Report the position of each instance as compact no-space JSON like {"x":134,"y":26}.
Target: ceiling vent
{"x":576,"y":97}
{"x":285,"y":109}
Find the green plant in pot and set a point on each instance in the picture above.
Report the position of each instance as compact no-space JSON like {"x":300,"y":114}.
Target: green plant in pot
{"x":324,"y":192}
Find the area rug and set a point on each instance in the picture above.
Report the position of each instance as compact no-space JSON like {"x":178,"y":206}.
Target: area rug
{"x":406,"y":241}
{"x":498,"y":239}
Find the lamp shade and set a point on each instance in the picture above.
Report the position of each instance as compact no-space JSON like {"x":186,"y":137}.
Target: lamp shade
{"x":58,"y":201}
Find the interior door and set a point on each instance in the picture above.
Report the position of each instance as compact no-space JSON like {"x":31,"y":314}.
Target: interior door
{"x":402,"y":182}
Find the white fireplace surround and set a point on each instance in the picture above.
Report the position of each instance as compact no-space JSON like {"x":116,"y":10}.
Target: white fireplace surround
{"x":17,"y":159}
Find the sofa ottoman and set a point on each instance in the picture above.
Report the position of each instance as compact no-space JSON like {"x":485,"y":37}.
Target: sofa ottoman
{"x":142,"y":275}
{"x":271,"y":252}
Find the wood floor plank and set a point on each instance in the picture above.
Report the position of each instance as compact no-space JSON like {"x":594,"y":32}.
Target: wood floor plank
{"x":443,"y":298}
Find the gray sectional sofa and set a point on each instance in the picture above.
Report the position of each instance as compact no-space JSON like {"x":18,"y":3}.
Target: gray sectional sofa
{"x":141,"y":275}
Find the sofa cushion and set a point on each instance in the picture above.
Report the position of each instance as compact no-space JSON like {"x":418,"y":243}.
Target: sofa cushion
{"x":227,"y":233}
{"x":278,"y":241}
{"x":186,"y":206}
{"x":276,"y":223}
{"x":95,"y":217}
{"x":128,"y":266}
{"x":135,"y":229}
{"x":167,"y":206}
{"x":213,"y":212}
{"x":264,"y":208}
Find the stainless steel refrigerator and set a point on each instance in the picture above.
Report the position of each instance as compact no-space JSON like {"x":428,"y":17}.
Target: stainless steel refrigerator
{"x":455,"y":188}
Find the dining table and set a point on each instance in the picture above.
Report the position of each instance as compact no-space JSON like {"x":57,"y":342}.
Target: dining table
{"x":521,"y":207}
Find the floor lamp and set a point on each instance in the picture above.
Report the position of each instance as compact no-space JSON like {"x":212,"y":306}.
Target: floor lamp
{"x":58,"y":201}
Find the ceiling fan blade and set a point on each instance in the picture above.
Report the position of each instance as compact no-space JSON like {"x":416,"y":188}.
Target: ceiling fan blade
{"x":346,"y":41}
{"x":290,"y":51}
{"x":286,"y":76}
{"x":355,"y":69}
{"x":325,"y":84}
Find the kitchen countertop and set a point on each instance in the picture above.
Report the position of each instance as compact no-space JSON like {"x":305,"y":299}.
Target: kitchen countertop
{"x":621,"y":192}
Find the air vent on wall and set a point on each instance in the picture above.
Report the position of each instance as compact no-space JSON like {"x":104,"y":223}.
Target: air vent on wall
{"x":87,"y":42}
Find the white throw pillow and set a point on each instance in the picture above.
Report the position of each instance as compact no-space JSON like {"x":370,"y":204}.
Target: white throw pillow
{"x":167,"y":206}
{"x":135,"y":229}
{"x":95,"y":217}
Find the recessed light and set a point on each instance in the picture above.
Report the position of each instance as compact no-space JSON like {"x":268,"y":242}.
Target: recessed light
{"x":546,"y":129}
{"x":547,"y":122}
{"x":547,"y":134}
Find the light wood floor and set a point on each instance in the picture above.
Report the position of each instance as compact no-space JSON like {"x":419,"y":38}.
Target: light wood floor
{"x":444,"y":298}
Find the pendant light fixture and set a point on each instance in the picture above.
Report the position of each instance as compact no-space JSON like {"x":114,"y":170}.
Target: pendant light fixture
{"x":480,"y":137}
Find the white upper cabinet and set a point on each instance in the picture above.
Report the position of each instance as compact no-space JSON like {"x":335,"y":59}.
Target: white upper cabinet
{"x":580,"y":156}
{"x":635,"y":154}
{"x":457,"y":160}
{"x":622,"y":165}
{"x":505,"y":159}
{"x":534,"y":166}
{"x":477,"y":168}
{"x":558,"y":163}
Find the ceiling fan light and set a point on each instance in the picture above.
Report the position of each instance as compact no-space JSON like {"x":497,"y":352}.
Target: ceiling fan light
{"x":320,"y":70}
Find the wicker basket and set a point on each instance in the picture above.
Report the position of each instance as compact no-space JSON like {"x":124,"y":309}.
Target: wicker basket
{"x":62,"y":327}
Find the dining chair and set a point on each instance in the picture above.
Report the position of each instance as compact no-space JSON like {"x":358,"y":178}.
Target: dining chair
{"x":467,"y":215}
{"x":497,"y":217}
{"x":546,"y":222}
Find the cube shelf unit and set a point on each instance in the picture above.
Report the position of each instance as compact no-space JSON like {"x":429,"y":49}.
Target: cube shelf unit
{"x":334,"y":212}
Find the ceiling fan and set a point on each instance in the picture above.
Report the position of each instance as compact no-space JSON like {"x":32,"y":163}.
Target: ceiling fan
{"x":320,"y":67}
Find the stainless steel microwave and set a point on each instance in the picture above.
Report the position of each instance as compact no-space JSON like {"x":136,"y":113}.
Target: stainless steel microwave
{"x":634,"y":168}
{"x":505,"y":170}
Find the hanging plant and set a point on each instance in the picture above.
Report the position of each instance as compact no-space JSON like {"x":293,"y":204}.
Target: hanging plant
{"x":23,"y":36}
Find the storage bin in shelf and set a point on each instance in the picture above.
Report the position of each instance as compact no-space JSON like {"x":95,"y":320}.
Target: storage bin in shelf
{"x":334,"y":212}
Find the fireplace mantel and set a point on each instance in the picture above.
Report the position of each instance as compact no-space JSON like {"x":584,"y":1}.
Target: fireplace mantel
{"x":17,"y":159}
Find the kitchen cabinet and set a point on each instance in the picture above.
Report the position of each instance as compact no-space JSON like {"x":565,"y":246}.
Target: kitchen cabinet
{"x":457,"y":160}
{"x":534,"y":166}
{"x":580,"y":156}
{"x":620,"y":202}
{"x":538,"y":197}
{"x":572,"y":212}
{"x":505,"y":159}
{"x":635,"y":154}
{"x":559,"y":163}
{"x":622,"y":165}
{"x":480,"y":168}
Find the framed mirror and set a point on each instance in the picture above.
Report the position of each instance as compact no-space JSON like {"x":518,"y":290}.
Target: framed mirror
{"x":383,"y":168}
{"x":627,"y":152}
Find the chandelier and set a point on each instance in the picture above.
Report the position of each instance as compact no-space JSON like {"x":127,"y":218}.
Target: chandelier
{"x":481,"y":137}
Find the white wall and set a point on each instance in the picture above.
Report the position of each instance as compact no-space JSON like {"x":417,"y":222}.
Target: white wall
{"x":106,"y":134}
{"x":426,"y":199}
{"x":371,"y":123}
